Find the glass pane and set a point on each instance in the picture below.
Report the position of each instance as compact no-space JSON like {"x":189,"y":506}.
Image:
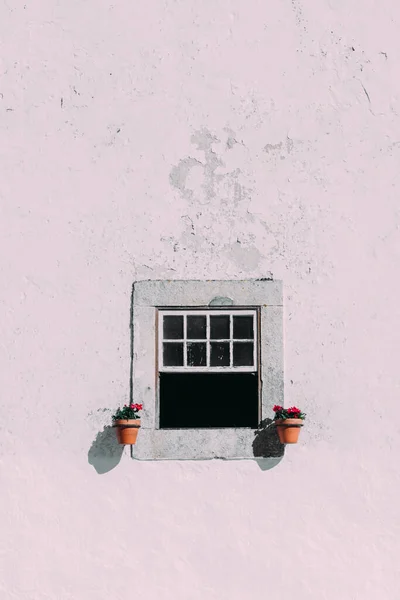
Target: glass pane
{"x":243,"y":354}
{"x":173,"y":327}
{"x":173,"y":355}
{"x":219,"y":356}
{"x":243,"y":328}
{"x":219,"y":327}
{"x":196,"y":355}
{"x":196,"y":327}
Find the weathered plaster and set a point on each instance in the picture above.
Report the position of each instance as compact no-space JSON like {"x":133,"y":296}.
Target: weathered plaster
{"x":258,"y":292}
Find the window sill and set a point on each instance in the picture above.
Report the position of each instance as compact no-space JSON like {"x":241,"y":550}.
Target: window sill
{"x":203,"y":444}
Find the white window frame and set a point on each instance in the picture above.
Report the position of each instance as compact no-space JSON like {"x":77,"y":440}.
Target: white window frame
{"x":207,"y":340}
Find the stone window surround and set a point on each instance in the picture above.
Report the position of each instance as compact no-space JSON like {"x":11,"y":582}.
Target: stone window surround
{"x":193,"y":444}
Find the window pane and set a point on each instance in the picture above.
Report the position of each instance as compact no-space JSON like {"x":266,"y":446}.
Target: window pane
{"x":173,"y":355}
{"x":196,"y":355}
{"x":224,"y":395}
{"x":243,"y":354}
{"x":219,"y":327}
{"x":219,"y":356}
{"x":196,"y":327}
{"x":243,"y":328}
{"x":173,"y":327}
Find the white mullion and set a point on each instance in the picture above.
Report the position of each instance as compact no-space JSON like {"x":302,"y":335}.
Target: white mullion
{"x":254,"y":342}
{"x":231,"y":340}
{"x":248,"y":369}
{"x":208,"y":343}
{"x":161,"y":341}
{"x":208,"y":312}
{"x":184,"y":340}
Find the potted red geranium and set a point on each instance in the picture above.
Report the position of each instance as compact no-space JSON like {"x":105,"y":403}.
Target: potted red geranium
{"x":288,"y":422}
{"x":127,"y":423}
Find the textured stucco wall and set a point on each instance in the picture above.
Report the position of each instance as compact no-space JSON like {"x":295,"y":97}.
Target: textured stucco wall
{"x":183,"y":139}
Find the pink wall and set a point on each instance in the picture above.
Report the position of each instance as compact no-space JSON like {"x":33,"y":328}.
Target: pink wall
{"x":199,"y":140}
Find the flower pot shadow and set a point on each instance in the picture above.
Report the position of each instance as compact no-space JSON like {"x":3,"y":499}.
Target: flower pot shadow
{"x":266,"y":445}
{"x":105,"y":452}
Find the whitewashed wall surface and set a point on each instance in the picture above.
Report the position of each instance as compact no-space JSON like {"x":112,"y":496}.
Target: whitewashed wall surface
{"x":177,"y":139}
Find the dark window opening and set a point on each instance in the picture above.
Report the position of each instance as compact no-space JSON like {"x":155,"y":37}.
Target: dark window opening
{"x":203,"y":400}
{"x":173,"y":327}
{"x":196,"y":327}
{"x":242,"y":354}
{"x":219,"y":327}
{"x":173,"y":355}
{"x":196,"y":354}
{"x":220,"y":356}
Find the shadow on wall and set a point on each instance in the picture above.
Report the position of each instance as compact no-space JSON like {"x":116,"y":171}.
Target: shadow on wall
{"x":266,"y":445}
{"x":105,"y":452}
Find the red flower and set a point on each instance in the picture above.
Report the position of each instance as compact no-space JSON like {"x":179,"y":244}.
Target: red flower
{"x":277,"y":408}
{"x":294,"y":411}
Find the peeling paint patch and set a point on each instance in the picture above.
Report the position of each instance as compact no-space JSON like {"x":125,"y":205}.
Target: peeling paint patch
{"x":179,"y":175}
{"x":204,"y":187}
{"x":286,"y":146}
{"x":273,"y":147}
{"x":204,"y":139}
{"x":231,"y":141}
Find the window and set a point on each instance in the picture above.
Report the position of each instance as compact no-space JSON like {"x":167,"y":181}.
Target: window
{"x":207,"y":364}
{"x":208,"y":374}
{"x":212,"y":341}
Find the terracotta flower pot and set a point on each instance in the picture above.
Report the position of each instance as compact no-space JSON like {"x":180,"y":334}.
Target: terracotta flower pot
{"x":127,"y":430}
{"x":288,"y":430}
